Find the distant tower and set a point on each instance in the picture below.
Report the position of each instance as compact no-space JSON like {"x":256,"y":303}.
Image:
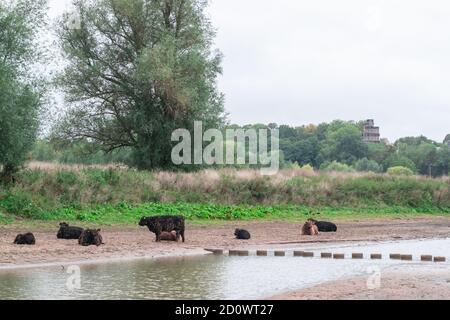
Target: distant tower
{"x":371,"y":134}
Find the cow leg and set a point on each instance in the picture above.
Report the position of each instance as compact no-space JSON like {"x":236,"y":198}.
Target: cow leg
{"x":182,"y":235}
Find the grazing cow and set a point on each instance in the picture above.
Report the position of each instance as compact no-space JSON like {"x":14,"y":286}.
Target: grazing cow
{"x":90,"y":238}
{"x":25,"y":239}
{"x":324,"y":226}
{"x":310,"y":229}
{"x":157,"y":225}
{"x":169,"y":236}
{"x":242,"y":234}
{"x":69,"y":233}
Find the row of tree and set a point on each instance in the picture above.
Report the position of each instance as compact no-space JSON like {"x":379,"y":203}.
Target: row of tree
{"x":336,"y":146}
{"x":341,"y":142}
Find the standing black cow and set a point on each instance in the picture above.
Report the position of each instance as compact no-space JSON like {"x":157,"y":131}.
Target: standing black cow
{"x":69,"y":233}
{"x":157,"y":225}
{"x":324,"y":226}
{"x":25,"y":239}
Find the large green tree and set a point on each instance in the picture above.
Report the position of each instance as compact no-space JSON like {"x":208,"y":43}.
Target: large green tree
{"x":137,"y":70}
{"x":343,"y":143}
{"x":20,"y":93}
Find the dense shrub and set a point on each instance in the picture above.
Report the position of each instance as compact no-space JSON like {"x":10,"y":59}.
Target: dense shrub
{"x":366,"y":165}
{"x":400,"y":171}
{"x":336,"y":167}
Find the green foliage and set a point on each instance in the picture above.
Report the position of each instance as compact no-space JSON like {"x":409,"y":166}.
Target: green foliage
{"x":344,"y":144}
{"x":398,"y":160}
{"x":366,"y":165}
{"x":20,"y":96}
{"x":126,"y":213}
{"x":336,"y":167}
{"x":400,"y":171}
{"x":91,"y":193}
{"x":19,"y":106}
{"x":134,"y":78}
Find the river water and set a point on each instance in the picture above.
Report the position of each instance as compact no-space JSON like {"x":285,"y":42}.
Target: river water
{"x":212,"y":277}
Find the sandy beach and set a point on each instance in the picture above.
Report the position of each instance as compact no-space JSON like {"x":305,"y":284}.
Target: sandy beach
{"x":395,"y":285}
{"x":134,"y":242}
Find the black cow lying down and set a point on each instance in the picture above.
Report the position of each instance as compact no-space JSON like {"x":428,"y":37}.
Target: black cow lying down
{"x":25,"y":239}
{"x":161,"y":224}
{"x":324,"y":226}
{"x":242,"y":234}
{"x":90,"y":238}
{"x":69,"y":233}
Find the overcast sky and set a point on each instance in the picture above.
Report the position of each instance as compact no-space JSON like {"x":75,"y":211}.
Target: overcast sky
{"x":299,"y":62}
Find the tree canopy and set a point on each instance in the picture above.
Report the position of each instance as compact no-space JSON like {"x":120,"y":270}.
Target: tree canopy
{"x":137,"y":70}
{"x":20,"y":95}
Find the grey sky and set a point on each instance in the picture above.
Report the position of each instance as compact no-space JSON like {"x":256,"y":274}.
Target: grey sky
{"x":298,"y":62}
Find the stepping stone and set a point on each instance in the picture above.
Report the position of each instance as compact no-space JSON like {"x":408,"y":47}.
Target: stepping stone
{"x":308,"y":254}
{"x":299,"y":253}
{"x":376,"y":256}
{"x":261,"y":253}
{"x":395,"y":256}
{"x":406,"y":257}
{"x":339,"y":256}
{"x":440,"y":259}
{"x":357,"y":256}
{"x":326,"y":255}
{"x":243,"y":253}
{"x":426,"y":258}
{"x":234,"y":253}
{"x":279,"y":253}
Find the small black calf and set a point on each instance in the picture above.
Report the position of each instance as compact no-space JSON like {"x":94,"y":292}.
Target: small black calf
{"x":25,"y":239}
{"x":242,"y":234}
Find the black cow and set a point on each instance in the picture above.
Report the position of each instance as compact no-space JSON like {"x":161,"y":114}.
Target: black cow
{"x":69,"y":233}
{"x":161,"y":224}
{"x":324,"y":226}
{"x":90,"y":238}
{"x":25,"y":239}
{"x":242,"y":234}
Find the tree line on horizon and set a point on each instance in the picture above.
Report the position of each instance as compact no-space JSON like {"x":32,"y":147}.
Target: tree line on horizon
{"x":335,"y":146}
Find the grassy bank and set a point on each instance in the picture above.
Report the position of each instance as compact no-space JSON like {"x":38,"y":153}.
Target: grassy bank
{"x":122,"y":196}
{"x":124,"y":213}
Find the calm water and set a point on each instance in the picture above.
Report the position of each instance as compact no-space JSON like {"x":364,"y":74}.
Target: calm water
{"x":210,"y":277}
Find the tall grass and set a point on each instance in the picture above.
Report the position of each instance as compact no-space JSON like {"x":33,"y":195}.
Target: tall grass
{"x":51,"y":188}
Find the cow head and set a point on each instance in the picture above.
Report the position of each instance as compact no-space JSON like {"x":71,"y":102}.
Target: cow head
{"x":143,"y":222}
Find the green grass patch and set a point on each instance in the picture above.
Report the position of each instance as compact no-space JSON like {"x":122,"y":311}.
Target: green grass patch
{"x":125,"y":213}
